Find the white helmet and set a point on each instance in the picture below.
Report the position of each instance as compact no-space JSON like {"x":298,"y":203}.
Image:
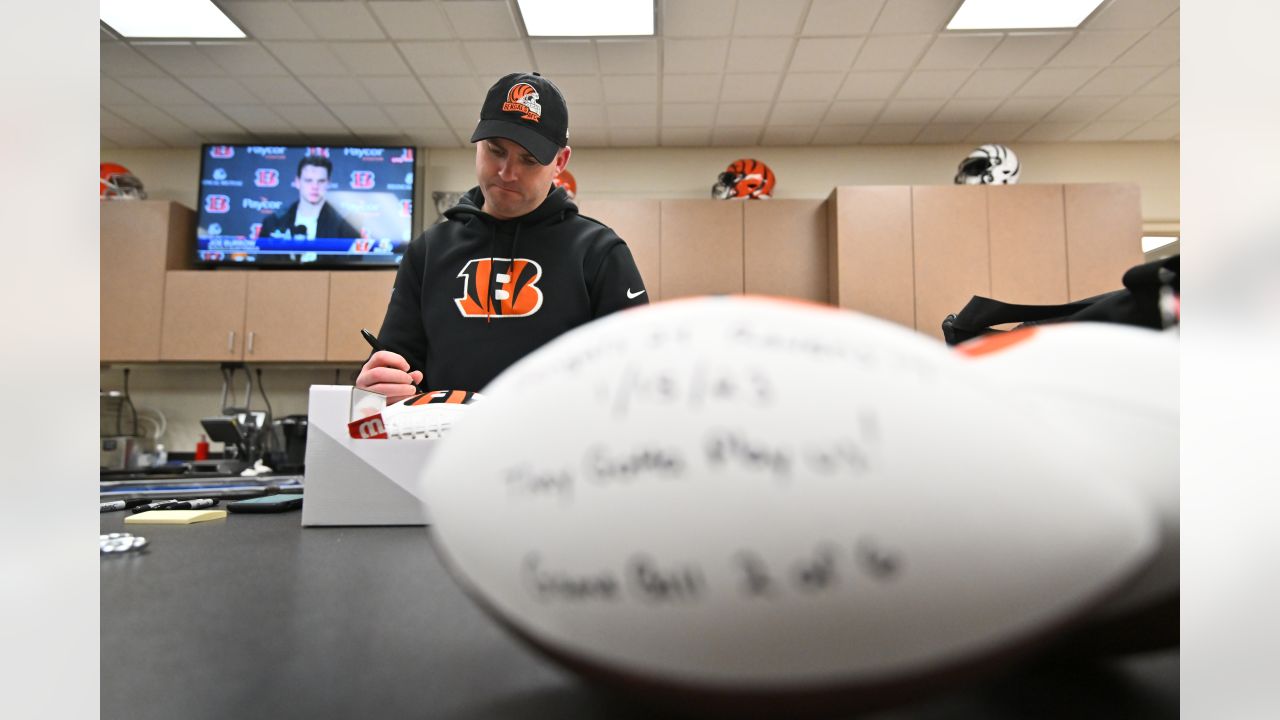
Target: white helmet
{"x":989,"y":165}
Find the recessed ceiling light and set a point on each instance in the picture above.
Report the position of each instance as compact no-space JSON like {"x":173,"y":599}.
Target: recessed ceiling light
{"x":167,"y":19}
{"x":1152,"y":242}
{"x":1021,"y":14}
{"x":590,"y":18}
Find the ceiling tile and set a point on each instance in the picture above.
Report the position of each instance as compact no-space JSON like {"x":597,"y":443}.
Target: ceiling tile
{"x":462,"y":118}
{"x":108,"y":119}
{"x":147,"y":117}
{"x":131,"y":137}
{"x":113,"y":93}
{"x":898,"y":134}
{"x":104,"y":142}
{"x":178,"y":136}
{"x":992,"y":83}
{"x":241,"y":59}
{"x":932,"y":83}
{"x":891,"y":52}
{"x":412,"y":20}
{"x":456,"y":90}
{"x":748,"y":88}
{"x":1155,"y":130}
{"x":810,"y":86}
{"x":119,"y":60}
{"x":565,"y":56}
{"x":1056,"y":82}
{"x":1141,"y":107}
{"x":435,"y":137}
{"x":1105,"y":131}
{"x":1130,"y":14}
{"x":910,"y":111}
{"x":1170,"y":114}
{"x":1095,"y":49}
{"x":311,"y":119}
{"x":1166,"y":83}
{"x":202,"y":118}
{"x":307,"y":58}
{"x":339,"y":20}
{"x":395,"y":90}
{"x":696,"y":18}
{"x":493,"y":59}
{"x":690,"y":88}
{"x":944,"y":133}
{"x":182,"y":59}
{"x":436,"y":58}
{"x":630,"y":89}
{"x":363,"y":118}
{"x":268,"y":20}
{"x":797,"y":113}
{"x":1021,"y":109}
{"x":415,"y":117}
{"x":870,"y":85}
{"x":370,"y":58}
{"x":1000,"y":133}
{"x":839,"y":134}
{"x":482,"y":20}
{"x":589,"y":137}
{"x":337,"y":90}
{"x":734,"y":136}
{"x":1173,"y":21}
{"x":768,"y":18}
{"x":1050,"y":132}
{"x":575,"y":88}
{"x":1026,"y":50}
{"x":633,"y":136}
{"x":587,"y":115}
{"x":841,"y":17}
{"x":1118,"y":81}
{"x":958,"y":51}
{"x":1081,"y":109}
{"x":1159,"y":47}
{"x":687,"y":137}
{"x":761,"y":55}
{"x":914,"y":16}
{"x":688,"y":114}
{"x":161,"y":91}
{"x":824,"y":54}
{"x":742,"y":114}
{"x":960,"y":111}
{"x":788,"y":135}
{"x":627,"y":57}
{"x":853,"y":112}
{"x":277,"y":90}
{"x":694,"y":56}
{"x":221,"y":91}
{"x":257,"y":118}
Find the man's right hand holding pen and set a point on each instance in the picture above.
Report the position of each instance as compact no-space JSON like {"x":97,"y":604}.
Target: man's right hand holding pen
{"x":387,"y":373}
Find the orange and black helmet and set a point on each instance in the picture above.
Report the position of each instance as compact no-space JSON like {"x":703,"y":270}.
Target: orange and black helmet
{"x":744,"y":178}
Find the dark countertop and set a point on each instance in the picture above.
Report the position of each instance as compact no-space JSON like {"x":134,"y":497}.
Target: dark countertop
{"x":255,"y":617}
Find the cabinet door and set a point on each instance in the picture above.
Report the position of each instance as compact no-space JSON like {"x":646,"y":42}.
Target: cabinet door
{"x":1104,"y":236}
{"x":203,"y":315}
{"x":636,"y":222}
{"x":286,"y":315}
{"x":785,"y":248}
{"x":140,"y":240}
{"x":701,"y":248}
{"x":1028,"y":244}
{"x":870,"y":261}
{"x":356,"y":300}
{"x":952,"y":256}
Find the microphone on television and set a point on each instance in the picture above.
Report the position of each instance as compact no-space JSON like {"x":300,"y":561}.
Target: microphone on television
{"x":299,"y":232}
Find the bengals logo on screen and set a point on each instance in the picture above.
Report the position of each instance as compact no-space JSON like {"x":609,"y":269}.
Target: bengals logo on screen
{"x":522,"y":98}
{"x":266,"y":177}
{"x":222,"y":151}
{"x":515,"y":288}
{"x":255,"y":230}
{"x":405,"y":156}
{"x":361,"y":179}
{"x":217,"y":203}
{"x":317,"y":152}
{"x":406,"y":208}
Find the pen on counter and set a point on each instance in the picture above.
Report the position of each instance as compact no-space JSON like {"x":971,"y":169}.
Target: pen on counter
{"x":121,"y":504}
{"x":195,"y":504}
{"x":157,"y":505}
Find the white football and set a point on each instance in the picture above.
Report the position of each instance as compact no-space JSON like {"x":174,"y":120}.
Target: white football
{"x":741,"y":501}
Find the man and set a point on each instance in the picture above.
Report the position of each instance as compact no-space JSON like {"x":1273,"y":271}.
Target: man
{"x":310,"y":217}
{"x":513,"y":266}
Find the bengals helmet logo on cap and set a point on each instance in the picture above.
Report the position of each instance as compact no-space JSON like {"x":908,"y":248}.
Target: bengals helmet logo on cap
{"x":522,"y":98}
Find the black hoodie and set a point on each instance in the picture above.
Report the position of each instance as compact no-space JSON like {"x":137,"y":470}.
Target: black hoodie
{"x":462,"y":324}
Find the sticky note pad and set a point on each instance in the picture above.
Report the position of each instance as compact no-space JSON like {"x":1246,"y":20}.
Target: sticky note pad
{"x":174,"y":517}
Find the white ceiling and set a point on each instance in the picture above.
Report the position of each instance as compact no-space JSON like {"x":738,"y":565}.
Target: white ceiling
{"x":719,"y":72}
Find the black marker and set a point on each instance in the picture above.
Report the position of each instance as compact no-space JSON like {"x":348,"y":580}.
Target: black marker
{"x":373,"y":343}
{"x":121,"y":505}
{"x":157,"y":505}
{"x":191,"y":504}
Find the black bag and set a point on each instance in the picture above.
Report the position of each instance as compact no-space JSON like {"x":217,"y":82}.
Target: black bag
{"x":1149,"y":299}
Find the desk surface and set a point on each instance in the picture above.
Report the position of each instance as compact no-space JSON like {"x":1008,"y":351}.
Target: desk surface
{"x":255,"y":617}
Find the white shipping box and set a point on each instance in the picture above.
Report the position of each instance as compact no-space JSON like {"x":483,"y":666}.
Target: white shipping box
{"x":358,"y":482}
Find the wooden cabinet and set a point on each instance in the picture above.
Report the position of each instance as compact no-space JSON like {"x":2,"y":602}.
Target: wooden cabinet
{"x":1104,"y":236}
{"x":286,"y":315}
{"x":701,"y":248}
{"x":140,"y":241}
{"x":871,"y":264}
{"x":356,"y":300}
{"x":637,"y":222}
{"x":203,"y":315}
{"x":952,"y":258}
{"x":785,"y":249}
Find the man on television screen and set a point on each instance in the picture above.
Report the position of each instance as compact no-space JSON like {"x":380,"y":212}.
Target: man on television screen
{"x":310,"y":217}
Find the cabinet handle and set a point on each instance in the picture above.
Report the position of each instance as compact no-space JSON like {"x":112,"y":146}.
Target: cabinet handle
{"x":231,"y":341}
{"x":250,"y":342}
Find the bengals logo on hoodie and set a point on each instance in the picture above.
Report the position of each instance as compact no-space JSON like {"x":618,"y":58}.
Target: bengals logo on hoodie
{"x":514,"y":284}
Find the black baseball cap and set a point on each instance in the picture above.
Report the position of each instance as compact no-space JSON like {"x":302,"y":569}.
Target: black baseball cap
{"x":528,"y":109}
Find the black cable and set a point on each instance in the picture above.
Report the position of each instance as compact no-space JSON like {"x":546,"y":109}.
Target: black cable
{"x":268,"y":440}
{"x":132,"y":410}
{"x":263,"y":391}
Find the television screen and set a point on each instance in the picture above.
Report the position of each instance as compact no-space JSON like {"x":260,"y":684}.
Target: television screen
{"x":294,"y":205}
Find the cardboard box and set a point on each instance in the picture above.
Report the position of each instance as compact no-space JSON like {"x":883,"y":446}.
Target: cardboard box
{"x":358,"y":482}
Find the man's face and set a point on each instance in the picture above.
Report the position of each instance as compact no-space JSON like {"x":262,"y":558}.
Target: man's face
{"x":511,"y":179}
{"x":312,"y":183}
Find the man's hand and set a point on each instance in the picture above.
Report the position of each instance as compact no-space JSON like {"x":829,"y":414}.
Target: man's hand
{"x":388,"y":374}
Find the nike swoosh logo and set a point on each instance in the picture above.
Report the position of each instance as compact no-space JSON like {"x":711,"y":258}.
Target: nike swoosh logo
{"x":633,"y":296}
